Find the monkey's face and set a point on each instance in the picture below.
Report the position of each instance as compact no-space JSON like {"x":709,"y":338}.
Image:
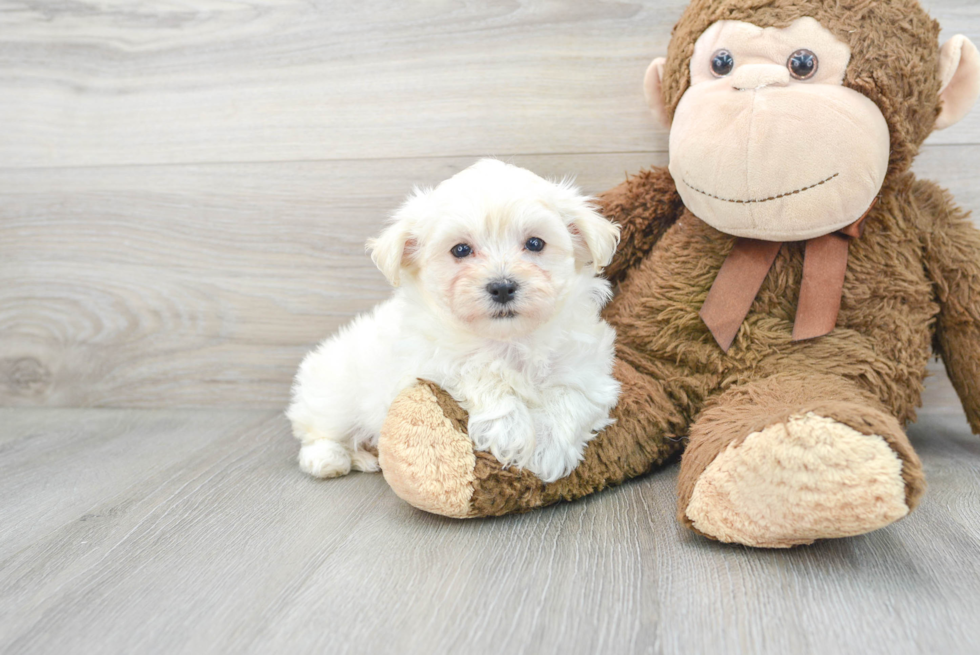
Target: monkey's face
{"x":767,"y":143}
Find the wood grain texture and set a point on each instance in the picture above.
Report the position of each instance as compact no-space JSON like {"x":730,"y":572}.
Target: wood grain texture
{"x":193,"y":531}
{"x":168,"y":286}
{"x":197,"y":286}
{"x":162,"y":82}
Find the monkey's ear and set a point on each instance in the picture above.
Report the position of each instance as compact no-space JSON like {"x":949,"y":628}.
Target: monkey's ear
{"x":959,"y":71}
{"x":392,"y":251}
{"x":654,"y":92}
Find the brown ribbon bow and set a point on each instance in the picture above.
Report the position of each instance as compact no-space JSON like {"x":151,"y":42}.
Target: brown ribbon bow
{"x":746,"y":267}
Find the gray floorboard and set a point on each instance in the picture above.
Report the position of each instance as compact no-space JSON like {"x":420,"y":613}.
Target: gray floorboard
{"x":136,"y":531}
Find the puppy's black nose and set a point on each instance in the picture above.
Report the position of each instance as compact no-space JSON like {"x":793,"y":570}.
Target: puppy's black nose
{"x":502,"y":291}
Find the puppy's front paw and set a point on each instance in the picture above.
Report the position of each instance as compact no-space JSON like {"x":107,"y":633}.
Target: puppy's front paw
{"x":508,"y":437}
{"x":555,"y":456}
{"x":324,"y":459}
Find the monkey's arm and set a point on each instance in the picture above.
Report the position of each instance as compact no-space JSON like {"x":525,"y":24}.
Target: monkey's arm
{"x":645,"y":205}
{"x":952,"y":251}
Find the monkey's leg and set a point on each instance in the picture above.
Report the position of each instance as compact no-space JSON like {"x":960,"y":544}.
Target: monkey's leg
{"x":790,"y":459}
{"x":429,"y":461}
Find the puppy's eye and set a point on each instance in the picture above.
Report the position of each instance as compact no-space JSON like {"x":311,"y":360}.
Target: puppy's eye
{"x":461,"y":250}
{"x":534,"y":244}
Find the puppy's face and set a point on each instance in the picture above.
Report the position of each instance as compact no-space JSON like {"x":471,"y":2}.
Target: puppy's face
{"x":497,"y":268}
{"x":495,"y":248}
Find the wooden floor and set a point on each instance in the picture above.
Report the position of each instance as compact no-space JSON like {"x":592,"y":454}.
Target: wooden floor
{"x":192,"y":531}
{"x":185,"y":191}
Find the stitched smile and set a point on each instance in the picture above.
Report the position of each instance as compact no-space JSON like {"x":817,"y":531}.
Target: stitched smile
{"x":748,"y":202}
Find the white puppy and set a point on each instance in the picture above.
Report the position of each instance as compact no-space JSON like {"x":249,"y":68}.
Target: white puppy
{"x":497,"y":302}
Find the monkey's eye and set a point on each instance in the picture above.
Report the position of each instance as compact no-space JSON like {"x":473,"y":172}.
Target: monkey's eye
{"x":722,"y":63}
{"x":461,"y":250}
{"x":802,"y":64}
{"x":534,"y":244}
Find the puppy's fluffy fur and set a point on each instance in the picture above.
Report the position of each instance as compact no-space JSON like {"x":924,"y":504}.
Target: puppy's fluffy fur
{"x":535,"y":373}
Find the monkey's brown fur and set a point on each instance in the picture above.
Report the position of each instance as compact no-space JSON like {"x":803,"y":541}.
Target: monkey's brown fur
{"x":912,"y":286}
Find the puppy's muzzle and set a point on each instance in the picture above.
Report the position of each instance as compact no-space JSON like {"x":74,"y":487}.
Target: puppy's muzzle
{"x":502,"y":291}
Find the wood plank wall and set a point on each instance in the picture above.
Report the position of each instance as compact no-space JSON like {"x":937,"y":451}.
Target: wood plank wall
{"x":185,"y":189}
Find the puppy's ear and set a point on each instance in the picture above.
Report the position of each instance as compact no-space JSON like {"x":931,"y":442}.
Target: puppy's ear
{"x":393,"y":250}
{"x":595,"y":238}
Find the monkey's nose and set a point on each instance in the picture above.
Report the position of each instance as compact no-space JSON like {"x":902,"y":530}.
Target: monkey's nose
{"x":502,"y":291}
{"x":757,"y":76}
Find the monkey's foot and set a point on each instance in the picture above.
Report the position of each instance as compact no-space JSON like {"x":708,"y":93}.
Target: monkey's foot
{"x":806,"y":478}
{"x":425,"y":454}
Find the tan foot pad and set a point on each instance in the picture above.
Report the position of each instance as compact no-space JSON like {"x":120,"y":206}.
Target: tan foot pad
{"x":426,"y":459}
{"x":791,"y":483}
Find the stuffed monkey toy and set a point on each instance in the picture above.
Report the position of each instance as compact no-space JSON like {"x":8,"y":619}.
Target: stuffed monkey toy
{"x":781,"y":285}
